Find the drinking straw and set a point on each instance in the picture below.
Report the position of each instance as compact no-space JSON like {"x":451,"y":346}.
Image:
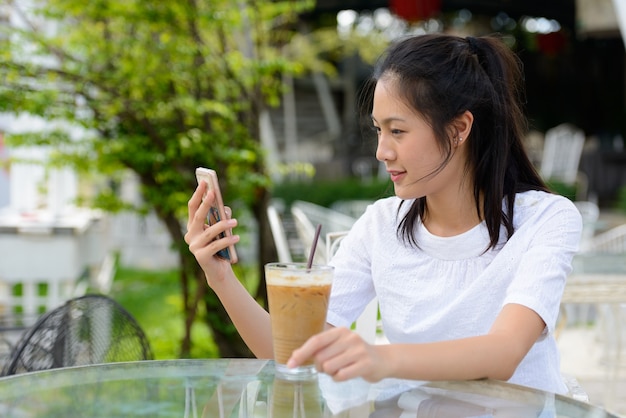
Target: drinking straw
{"x":315,"y":239}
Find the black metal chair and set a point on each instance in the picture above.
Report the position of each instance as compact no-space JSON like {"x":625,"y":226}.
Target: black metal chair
{"x":86,"y":330}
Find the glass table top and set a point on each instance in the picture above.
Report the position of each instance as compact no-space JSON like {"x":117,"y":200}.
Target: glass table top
{"x":249,"y":388}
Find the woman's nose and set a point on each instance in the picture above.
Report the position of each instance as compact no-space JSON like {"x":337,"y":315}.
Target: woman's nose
{"x":383,"y":152}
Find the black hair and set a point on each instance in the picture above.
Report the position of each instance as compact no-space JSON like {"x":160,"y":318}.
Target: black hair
{"x":441,"y":77}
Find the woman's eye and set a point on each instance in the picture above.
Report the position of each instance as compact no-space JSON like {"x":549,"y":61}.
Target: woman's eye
{"x":394,"y":132}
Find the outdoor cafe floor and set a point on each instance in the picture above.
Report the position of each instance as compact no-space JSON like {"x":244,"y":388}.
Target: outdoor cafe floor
{"x":582,"y":357}
{"x":582,"y":350}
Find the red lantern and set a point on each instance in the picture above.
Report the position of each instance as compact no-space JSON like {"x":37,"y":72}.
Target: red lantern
{"x":415,"y":10}
{"x":551,"y":43}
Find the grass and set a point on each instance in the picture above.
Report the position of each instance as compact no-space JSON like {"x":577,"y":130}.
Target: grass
{"x":155,"y":300}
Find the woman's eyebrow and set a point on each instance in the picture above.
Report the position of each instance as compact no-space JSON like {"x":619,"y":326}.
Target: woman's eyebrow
{"x":389,"y":119}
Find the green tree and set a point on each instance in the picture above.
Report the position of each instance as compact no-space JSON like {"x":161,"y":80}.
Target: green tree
{"x":161,"y":87}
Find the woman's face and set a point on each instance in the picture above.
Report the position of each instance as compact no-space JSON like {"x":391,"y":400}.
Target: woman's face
{"x":409,"y":149}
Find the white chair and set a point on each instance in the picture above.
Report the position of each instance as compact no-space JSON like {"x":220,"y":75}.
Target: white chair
{"x":611,"y":241}
{"x":307,"y":216}
{"x":590,"y":213}
{"x":279,"y":234}
{"x":306,"y":232}
{"x":353,"y":208}
{"x":367,"y":324}
{"x":333,"y":240}
{"x":562,"y":150}
{"x":331,"y":220}
{"x":560,"y":161}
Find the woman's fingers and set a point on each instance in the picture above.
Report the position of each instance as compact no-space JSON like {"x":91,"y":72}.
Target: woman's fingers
{"x":201,"y":237}
{"x":324,"y":347}
{"x":340,"y":353}
{"x":213,"y":238}
{"x":206,"y":241}
{"x":193,"y":206}
{"x":348,"y":350}
{"x":198,"y":209}
{"x":311,"y":347}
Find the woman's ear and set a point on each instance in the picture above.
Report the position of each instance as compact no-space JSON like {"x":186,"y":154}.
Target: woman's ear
{"x":463,"y":126}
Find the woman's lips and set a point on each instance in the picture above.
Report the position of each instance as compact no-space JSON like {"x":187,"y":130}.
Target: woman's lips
{"x":396,"y":175}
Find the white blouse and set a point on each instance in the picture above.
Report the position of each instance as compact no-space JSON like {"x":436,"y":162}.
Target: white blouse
{"x":453,"y":287}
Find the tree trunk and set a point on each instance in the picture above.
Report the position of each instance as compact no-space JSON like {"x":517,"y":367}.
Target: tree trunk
{"x":195,"y":290}
{"x":224,"y":333}
{"x":191,"y":277}
{"x":267,"y":249}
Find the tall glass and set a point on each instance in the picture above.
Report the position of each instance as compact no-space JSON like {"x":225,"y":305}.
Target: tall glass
{"x":298,"y":302}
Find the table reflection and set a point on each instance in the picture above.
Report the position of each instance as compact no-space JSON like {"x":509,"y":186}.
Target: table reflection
{"x":248,"y":388}
{"x":295,"y":399}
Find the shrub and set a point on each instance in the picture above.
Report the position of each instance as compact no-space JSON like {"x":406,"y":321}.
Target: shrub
{"x":325,"y":193}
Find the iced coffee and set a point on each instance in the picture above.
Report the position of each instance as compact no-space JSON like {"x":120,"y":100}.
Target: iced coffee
{"x":298,"y":301}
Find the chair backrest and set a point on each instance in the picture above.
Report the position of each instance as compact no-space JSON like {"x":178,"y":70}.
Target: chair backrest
{"x":611,"y":241}
{"x":590,"y":213}
{"x":331,"y":220}
{"x":366,"y":324}
{"x":562,"y":150}
{"x":354,"y":208}
{"x":86,"y":330}
{"x":307,"y":216}
{"x":279,"y":234}
{"x":333,"y":240}
{"x":306,"y":233}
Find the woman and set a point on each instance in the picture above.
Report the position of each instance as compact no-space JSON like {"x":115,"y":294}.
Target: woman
{"x":468,"y":260}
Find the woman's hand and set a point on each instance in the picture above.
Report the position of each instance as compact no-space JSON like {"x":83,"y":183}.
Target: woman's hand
{"x":342,"y":354}
{"x":203,"y":240}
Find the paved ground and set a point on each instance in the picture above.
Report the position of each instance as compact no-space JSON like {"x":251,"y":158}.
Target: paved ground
{"x":583,"y":356}
{"x":583,"y":352}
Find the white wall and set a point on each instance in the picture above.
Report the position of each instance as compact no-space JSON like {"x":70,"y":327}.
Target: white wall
{"x":4,"y":173}
{"x":142,"y":241}
{"x":32,"y":187}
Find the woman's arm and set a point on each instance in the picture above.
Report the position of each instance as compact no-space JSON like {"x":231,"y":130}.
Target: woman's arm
{"x":495,"y":355}
{"x":343,"y":355}
{"x":250,"y":319}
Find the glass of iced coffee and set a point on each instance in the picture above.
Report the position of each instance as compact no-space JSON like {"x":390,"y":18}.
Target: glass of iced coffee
{"x":298,"y":300}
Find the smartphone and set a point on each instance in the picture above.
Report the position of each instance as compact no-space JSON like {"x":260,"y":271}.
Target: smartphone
{"x":216,"y":212}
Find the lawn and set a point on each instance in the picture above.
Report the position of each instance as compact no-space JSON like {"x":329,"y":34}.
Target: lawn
{"x":154,"y":299}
